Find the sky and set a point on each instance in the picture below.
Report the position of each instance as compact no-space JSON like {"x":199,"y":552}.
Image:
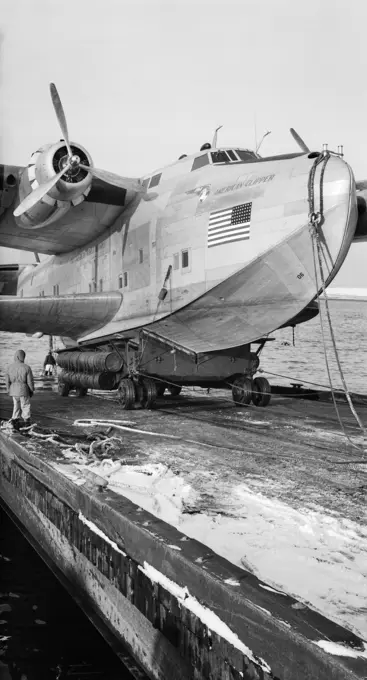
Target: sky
{"x":144,"y":81}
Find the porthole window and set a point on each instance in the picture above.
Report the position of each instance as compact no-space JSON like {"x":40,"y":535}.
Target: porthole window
{"x":155,"y":180}
{"x":184,"y":259}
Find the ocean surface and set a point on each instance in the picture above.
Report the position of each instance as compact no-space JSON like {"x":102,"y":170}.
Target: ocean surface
{"x":305,"y":361}
{"x":43,"y":633}
{"x":65,"y":644}
{"x":281,"y":361}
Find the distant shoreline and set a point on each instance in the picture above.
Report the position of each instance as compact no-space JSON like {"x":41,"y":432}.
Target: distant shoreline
{"x":350,"y":298}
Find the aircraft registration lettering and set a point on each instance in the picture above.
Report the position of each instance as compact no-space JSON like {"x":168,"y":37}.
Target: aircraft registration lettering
{"x":252,"y":181}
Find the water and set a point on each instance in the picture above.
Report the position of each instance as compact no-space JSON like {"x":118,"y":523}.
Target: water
{"x":304,"y":362}
{"x":43,"y":633}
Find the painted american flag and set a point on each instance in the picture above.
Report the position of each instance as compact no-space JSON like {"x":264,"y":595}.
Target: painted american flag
{"x":229,"y":225}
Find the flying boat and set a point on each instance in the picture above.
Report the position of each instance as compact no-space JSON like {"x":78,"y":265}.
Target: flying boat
{"x":172,"y":278}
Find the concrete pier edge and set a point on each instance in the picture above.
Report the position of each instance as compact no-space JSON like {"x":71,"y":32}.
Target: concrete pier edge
{"x":264,"y":620}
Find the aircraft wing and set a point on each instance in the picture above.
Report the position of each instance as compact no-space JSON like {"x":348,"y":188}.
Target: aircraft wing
{"x":65,"y":315}
{"x":76,"y":225}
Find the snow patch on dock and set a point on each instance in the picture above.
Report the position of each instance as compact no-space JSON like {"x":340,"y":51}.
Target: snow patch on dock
{"x":153,"y":486}
{"x":316,"y":557}
{"x":207,"y":616}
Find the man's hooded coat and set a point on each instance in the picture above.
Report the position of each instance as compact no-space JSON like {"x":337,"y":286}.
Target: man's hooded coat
{"x":19,"y":378}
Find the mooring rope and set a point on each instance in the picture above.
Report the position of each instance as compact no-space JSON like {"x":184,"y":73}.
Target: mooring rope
{"x":315,"y":221}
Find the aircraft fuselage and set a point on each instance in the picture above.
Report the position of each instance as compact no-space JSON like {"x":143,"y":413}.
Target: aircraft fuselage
{"x":188,"y":226}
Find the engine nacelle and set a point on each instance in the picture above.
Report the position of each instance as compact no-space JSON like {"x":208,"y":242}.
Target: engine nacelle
{"x":70,"y":190}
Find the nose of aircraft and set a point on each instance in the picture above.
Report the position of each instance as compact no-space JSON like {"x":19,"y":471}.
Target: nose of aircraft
{"x":333,"y":205}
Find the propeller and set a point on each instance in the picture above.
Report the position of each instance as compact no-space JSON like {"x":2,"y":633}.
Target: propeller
{"x":72,"y":161}
{"x":299,"y":140}
{"x":60,"y":115}
{"x":41,"y":191}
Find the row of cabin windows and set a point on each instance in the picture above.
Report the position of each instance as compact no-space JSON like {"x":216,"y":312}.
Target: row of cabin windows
{"x":123,"y":280}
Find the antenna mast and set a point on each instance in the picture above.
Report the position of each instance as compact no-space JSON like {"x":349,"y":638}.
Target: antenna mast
{"x":214,"y":142}
{"x":262,"y":139}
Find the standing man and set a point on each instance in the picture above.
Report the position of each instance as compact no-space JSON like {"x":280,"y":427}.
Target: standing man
{"x":49,"y":363}
{"x":20,"y":386}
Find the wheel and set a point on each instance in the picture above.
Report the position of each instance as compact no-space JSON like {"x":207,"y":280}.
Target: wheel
{"x":242,"y":390}
{"x":63,"y":389}
{"x":81,"y":392}
{"x":147,"y":393}
{"x":261,"y":392}
{"x":126,"y":394}
{"x":174,"y":390}
{"x":161,"y":388}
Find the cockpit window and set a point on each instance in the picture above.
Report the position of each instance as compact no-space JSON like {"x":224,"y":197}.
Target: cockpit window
{"x":246,"y":155}
{"x":220,"y":157}
{"x":155,"y":180}
{"x":232,"y":155}
{"x":200,"y":161}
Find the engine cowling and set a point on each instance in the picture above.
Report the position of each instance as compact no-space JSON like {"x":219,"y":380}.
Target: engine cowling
{"x":70,"y":190}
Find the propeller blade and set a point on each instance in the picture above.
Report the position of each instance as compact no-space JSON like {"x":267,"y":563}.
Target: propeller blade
{"x":299,"y":141}
{"x":37,"y":195}
{"x":111,"y":178}
{"x":56,"y":101}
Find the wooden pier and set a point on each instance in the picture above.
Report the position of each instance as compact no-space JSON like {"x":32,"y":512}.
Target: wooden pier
{"x":132,"y":568}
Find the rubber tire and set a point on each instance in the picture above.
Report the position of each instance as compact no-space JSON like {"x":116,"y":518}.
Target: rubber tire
{"x":242,"y":391}
{"x":261,"y":392}
{"x":174,"y":390}
{"x":63,"y":389}
{"x":147,"y":393}
{"x":161,"y":388}
{"x":81,"y":392}
{"x":126,"y":394}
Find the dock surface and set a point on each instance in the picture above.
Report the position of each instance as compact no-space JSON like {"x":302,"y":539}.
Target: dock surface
{"x":294,"y":448}
{"x":277,"y":491}
{"x":234,"y":461}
